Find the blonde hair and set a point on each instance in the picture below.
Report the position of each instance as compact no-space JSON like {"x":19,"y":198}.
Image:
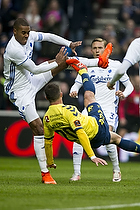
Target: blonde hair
{"x":99,"y":40}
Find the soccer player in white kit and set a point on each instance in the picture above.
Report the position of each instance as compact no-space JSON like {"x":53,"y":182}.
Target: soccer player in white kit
{"x":132,"y":57}
{"x":23,"y":79}
{"x":106,"y":98}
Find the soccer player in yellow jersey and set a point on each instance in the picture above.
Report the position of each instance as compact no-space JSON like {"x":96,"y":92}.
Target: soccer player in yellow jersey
{"x":90,"y":131}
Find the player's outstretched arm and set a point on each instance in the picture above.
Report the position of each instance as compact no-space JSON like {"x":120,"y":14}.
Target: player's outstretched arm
{"x":84,"y":141}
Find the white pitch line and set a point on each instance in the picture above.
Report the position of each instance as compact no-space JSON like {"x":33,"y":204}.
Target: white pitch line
{"x":117,"y":206}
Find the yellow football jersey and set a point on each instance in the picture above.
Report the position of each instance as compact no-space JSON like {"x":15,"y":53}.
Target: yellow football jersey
{"x":66,"y":120}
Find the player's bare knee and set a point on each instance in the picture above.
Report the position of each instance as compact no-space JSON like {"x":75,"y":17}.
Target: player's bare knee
{"x":89,"y":97}
{"x":115,"y":138}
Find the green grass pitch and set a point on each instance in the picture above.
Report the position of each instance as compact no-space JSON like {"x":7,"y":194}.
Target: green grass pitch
{"x":21,"y":187}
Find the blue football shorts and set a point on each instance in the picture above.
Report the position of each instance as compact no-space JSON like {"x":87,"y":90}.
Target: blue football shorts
{"x":103,"y":135}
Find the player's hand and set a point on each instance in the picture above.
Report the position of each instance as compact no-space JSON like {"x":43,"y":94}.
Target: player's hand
{"x":99,"y":160}
{"x":120,"y":94}
{"x":73,"y":94}
{"x":62,"y":56}
{"x":52,"y":166}
{"x":73,"y":45}
{"x":110,"y":86}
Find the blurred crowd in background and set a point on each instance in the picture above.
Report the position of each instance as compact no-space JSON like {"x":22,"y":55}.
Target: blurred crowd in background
{"x":73,"y":20}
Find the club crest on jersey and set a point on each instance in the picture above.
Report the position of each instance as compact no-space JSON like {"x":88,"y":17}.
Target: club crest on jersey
{"x":77,"y":123}
{"x":93,"y":71}
{"x":47,"y":119}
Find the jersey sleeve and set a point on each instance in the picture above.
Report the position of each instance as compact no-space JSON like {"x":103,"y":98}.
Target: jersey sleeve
{"x":79,"y":80}
{"x":49,"y":151}
{"x":124,"y":78}
{"x":48,"y":135}
{"x":18,"y":57}
{"x":84,"y":141}
{"x":53,"y":38}
{"x":29,"y":65}
{"x":76,"y":87}
{"x":37,"y":36}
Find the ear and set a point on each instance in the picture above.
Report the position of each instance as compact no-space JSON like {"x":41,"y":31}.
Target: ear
{"x":14,"y":31}
{"x":61,"y":94}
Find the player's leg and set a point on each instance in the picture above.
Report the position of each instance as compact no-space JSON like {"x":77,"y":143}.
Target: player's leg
{"x":38,"y":81}
{"x":125,"y":144}
{"x":77,"y":159}
{"x":89,"y":88}
{"x":113,"y":155}
{"x":36,"y":125}
{"x":112,"y":150}
{"x":102,"y":61}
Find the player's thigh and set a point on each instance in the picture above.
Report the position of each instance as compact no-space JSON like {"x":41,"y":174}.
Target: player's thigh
{"x":40,"y":80}
{"x":28,"y":112}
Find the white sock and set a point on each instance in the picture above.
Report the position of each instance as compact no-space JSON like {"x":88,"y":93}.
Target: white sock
{"x":113,"y":154}
{"x":77,"y":158}
{"x":40,"y":152}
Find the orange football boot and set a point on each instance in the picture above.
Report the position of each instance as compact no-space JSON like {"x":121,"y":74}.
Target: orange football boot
{"x":103,"y":59}
{"x":76,"y":64}
{"x":47,"y":178}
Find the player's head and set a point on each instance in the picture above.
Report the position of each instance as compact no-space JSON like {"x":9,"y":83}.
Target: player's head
{"x":98,"y":46}
{"x":21,"y":30}
{"x":53,"y":92}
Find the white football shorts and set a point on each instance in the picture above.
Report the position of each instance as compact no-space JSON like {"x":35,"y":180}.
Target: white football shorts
{"x":26,"y":98}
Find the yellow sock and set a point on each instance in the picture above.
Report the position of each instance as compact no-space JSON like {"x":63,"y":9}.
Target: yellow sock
{"x":82,"y":71}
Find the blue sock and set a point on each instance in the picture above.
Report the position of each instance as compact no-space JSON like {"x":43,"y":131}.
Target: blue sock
{"x":129,"y":145}
{"x":87,"y":83}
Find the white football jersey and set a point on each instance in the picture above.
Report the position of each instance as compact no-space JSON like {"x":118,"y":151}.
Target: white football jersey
{"x":16,"y":54}
{"x":23,"y":78}
{"x":18,"y":66}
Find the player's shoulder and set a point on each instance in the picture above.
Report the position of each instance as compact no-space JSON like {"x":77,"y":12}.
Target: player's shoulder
{"x":137,"y":40}
{"x":114,"y":63}
{"x":32,"y":33}
{"x":70,"y":109}
{"x":13,"y":47}
{"x":35,"y":36}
